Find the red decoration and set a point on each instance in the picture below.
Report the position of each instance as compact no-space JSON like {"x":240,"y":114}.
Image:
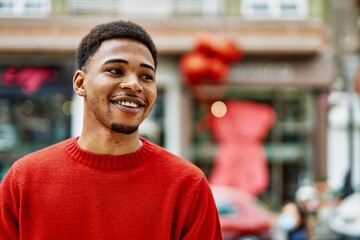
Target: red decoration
{"x":241,"y":159}
{"x":224,"y":48}
{"x":29,"y":78}
{"x":209,"y":62}
{"x":198,"y":68}
{"x":193,"y":67}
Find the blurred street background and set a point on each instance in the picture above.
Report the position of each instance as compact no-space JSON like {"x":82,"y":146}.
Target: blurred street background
{"x":260,"y":94}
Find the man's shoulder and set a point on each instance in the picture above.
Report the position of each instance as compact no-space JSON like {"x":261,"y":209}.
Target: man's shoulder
{"x":43,"y":155}
{"x":175,"y":163}
{"x":51,"y":149}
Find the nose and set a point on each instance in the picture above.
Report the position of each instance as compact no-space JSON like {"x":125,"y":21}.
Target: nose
{"x":131,"y":82}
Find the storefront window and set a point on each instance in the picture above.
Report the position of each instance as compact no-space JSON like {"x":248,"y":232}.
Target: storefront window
{"x":274,"y":8}
{"x":34,"y":111}
{"x":288,"y":143}
{"x":35,"y":8}
{"x":153,"y":127}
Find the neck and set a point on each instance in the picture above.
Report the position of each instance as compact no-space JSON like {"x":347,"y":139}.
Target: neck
{"x":109,"y":143}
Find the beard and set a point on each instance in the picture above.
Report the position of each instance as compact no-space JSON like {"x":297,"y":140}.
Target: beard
{"x":124,"y":129}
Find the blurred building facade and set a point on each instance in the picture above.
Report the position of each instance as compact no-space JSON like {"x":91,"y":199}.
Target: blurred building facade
{"x":289,"y":64}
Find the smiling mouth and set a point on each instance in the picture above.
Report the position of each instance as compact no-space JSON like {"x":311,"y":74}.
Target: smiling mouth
{"x":128,"y":101}
{"x":127,"y":104}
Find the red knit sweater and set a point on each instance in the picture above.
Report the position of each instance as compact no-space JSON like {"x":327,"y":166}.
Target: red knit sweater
{"x":63,"y":192}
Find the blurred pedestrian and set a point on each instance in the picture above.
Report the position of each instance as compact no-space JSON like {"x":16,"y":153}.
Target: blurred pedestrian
{"x":291,"y":220}
{"x":109,"y":183}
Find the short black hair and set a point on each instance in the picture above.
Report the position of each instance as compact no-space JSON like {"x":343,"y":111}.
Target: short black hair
{"x":116,"y":29}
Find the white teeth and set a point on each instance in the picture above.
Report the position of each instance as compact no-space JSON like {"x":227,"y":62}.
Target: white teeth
{"x":128,"y":104}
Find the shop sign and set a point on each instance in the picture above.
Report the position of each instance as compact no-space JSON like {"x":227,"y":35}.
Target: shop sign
{"x":30,"y":79}
{"x":263,"y":72}
{"x":316,"y":72}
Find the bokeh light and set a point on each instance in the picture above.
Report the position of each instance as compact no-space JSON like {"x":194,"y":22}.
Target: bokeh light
{"x":218,"y":109}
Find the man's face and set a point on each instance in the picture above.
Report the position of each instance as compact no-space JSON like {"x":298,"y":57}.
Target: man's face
{"x":119,"y":86}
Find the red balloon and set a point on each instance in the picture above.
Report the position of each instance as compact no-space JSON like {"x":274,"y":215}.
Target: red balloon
{"x":193,"y":67}
{"x":230,"y":52}
{"x":218,"y":70}
{"x":198,"y":68}
{"x":222,"y":47}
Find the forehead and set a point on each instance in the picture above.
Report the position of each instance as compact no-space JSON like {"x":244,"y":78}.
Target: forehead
{"x":124,"y":48}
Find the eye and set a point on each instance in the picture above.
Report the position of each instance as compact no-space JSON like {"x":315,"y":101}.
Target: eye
{"x":147,"y":77}
{"x":115,"y":71}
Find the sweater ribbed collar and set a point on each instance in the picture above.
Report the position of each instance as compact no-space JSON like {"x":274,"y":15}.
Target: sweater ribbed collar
{"x":110,"y":161}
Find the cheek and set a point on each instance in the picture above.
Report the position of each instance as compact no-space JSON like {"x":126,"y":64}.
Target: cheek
{"x":357,"y":80}
{"x":150,"y":94}
{"x":154,"y":97}
{"x":153,"y":93}
{"x":97,"y":101}
{"x":151,"y":97}
{"x":98,"y":93}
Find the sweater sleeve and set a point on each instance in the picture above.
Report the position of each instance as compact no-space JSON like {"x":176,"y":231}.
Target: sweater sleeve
{"x":9,"y":207}
{"x":202,"y":220}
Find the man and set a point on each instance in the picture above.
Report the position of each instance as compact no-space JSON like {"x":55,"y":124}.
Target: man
{"x":109,"y":183}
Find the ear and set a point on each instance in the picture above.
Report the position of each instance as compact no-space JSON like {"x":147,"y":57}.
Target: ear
{"x":79,"y":82}
{"x":357,"y":80}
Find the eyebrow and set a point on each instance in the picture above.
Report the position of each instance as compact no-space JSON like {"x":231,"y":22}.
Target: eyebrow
{"x":147,"y":66}
{"x":116,"y":60}
{"x":120,"y":60}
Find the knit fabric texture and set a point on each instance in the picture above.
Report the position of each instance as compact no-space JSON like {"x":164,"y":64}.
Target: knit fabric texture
{"x":63,"y":192}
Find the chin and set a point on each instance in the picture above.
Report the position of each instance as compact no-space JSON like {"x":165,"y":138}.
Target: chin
{"x":124,"y":129}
